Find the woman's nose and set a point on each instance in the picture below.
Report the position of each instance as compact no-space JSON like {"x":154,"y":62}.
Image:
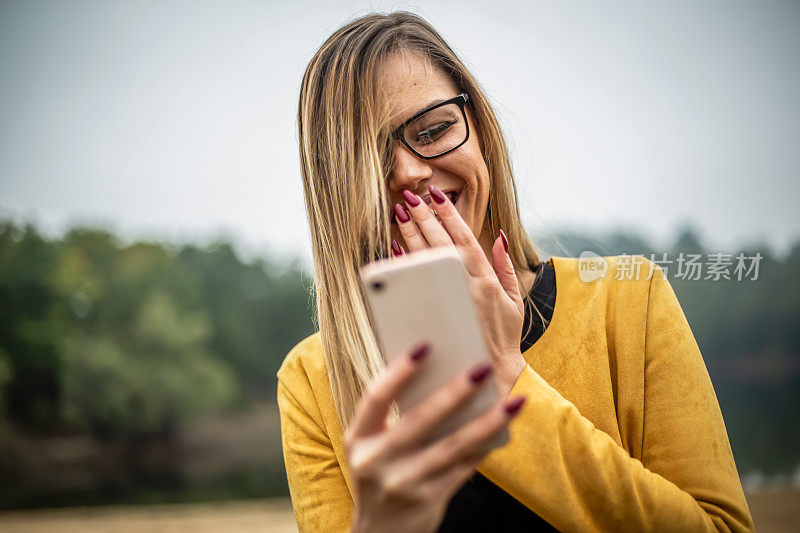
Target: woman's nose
{"x":408,"y":169}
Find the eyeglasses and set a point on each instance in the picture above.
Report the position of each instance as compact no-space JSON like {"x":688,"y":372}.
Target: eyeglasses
{"x":437,"y":130}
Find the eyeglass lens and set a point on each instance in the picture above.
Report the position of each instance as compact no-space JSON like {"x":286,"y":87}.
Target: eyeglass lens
{"x":437,"y":131}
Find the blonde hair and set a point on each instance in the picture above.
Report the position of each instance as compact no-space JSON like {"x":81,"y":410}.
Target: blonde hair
{"x":343,"y":134}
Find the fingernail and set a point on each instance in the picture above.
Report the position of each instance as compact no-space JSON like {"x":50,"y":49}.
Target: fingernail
{"x":412,"y":199}
{"x":420,"y":352}
{"x":480,"y":373}
{"x":401,"y":213}
{"x":437,"y":195}
{"x":514,"y":405}
{"x":396,"y":250}
{"x":504,"y":239}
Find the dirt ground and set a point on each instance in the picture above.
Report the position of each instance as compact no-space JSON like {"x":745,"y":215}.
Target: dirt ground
{"x":773,"y":512}
{"x":274,"y":515}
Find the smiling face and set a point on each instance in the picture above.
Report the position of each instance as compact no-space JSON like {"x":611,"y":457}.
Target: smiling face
{"x":412,"y":84}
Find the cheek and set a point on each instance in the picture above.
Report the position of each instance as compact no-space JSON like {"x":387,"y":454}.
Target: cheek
{"x":479,"y":173}
{"x":480,"y":187}
{"x":478,"y":178}
{"x":471,"y":169}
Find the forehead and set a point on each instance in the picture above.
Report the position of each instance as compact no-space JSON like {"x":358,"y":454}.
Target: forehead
{"x":408,"y":82}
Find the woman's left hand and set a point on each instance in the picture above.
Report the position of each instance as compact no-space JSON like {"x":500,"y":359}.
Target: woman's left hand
{"x":494,"y":286}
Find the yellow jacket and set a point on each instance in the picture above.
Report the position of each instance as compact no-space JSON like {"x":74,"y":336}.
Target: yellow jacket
{"x":621,"y":430}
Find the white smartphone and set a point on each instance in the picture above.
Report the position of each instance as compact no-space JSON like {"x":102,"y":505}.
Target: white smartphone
{"x":424,"y":296}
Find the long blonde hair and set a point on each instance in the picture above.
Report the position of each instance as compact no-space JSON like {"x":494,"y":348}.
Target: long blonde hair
{"x":343,"y":135}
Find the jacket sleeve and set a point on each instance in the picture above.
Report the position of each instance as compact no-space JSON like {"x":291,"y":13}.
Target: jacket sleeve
{"x":320,"y":497}
{"x":578,"y":478}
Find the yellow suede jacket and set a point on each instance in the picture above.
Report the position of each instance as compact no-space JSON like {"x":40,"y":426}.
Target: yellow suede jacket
{"x":621,"y":430}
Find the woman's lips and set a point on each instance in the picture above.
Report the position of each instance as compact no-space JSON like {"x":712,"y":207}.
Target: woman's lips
{"x":453,"y":195}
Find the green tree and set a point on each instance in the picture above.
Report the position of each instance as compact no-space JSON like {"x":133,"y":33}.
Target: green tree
{"x":145,"y":378}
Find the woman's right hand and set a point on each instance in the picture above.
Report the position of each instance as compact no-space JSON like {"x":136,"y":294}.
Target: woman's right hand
{"x":401,"y":483}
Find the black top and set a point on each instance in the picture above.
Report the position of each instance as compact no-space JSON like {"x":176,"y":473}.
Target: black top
{"x":480,"y":505}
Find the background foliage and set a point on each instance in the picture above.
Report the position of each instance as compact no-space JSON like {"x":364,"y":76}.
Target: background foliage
{"x":146,"y":372}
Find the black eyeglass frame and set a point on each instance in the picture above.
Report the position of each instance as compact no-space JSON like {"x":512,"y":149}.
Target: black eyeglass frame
{"x":461,"y":99}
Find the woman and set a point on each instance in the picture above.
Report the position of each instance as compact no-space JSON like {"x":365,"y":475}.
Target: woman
{"x":613,"y":419}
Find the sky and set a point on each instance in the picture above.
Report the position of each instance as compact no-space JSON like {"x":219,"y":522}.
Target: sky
{"x":176,"y":120}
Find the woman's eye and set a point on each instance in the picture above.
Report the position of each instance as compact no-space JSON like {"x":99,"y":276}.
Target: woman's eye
{"x":432,"y":133}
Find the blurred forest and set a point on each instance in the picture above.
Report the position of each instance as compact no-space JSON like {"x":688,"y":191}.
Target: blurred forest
{"x":145,"y":372}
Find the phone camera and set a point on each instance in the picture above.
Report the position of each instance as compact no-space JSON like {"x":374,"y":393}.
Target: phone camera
{"x":377,"y":286}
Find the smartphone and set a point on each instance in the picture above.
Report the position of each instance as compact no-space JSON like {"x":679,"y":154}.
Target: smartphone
{"x":424,"y":296}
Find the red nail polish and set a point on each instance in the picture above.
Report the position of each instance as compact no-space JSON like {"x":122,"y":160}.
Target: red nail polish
{"x":420,"y":352}
{"x":514,"y":405}
{"x":401,"y":213}
{"x":504,"y":239}
{"x":412,"y":199}
{"x":480,"y":373}
{"x":396,"y":250}
{"x":437,"y":195}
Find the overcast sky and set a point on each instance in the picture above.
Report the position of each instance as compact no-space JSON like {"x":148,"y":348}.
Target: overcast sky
{"x":176,"y":119}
